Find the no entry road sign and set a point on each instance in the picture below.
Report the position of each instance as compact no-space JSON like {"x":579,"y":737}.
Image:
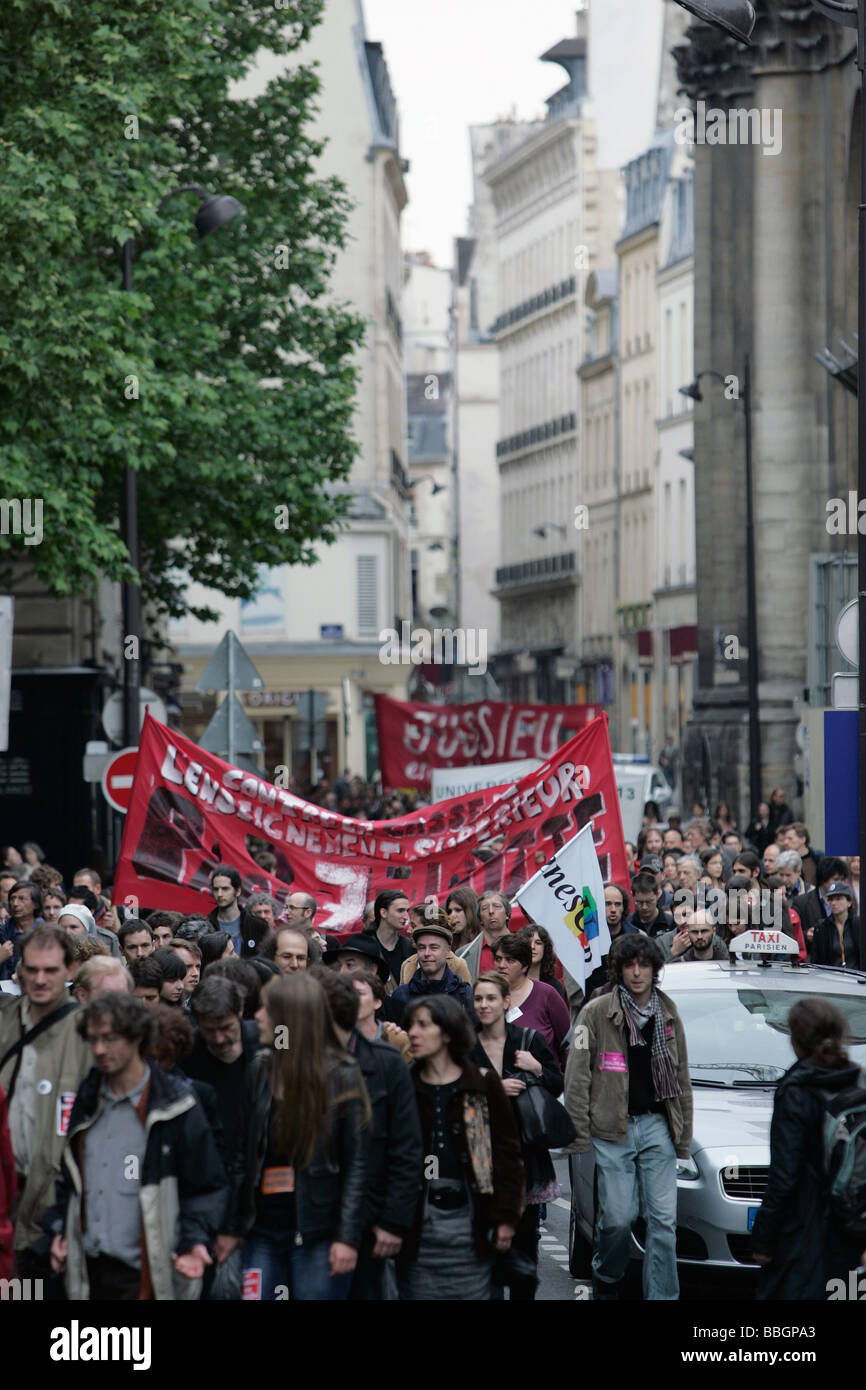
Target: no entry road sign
{"x":117,"y":779}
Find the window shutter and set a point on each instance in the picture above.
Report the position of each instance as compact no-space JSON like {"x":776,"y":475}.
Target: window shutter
{"x":368,"y":597}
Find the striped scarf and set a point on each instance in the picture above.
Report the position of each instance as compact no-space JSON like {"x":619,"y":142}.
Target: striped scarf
{"x":665,"y":1083}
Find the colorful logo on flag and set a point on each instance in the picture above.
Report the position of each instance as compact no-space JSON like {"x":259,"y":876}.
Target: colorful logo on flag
{"x":582,"y":921}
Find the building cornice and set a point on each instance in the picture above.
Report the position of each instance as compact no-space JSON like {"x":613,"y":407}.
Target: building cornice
{"x":545,"y":138}
{"x":649,"y":232}
{"x":789,"y":37}
{"x":594,"y":367}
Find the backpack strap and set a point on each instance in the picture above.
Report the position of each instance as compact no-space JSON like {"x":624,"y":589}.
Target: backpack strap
{"x":17,"y":1048}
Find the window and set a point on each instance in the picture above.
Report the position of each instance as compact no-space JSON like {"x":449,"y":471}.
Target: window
{"x":667,"y":357}
{"x":368,"y":597}
{"x":667,"y":538}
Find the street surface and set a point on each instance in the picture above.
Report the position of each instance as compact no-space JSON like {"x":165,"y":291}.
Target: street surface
{"x":557,"y":1286}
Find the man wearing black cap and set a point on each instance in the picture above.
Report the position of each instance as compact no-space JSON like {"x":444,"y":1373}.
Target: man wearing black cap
{"x":433,"y":945}
{"x":837,"y":938}
{"x":358,"y":953}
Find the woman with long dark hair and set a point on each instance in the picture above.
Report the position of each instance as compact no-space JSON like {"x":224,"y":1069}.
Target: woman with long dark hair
{"x":649,"y":841}
{"x":471,"y":1201}
{"x":713,"y":866}
{"x":510,"y":1050}
{"x":461,"y":907}
{"x":543,"y":965}
{"x":303,"y":1202}
{"x":794,"y":1239}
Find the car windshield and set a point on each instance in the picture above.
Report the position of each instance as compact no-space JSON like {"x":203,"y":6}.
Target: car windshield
{"x":740,"y":1037}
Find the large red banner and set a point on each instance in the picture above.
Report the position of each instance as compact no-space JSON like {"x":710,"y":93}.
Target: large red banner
{"x":413,"y":739}
{"x":191,"y":812}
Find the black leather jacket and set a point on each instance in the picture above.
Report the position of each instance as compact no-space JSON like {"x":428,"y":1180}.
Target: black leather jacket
{"x":329,"y":1196}
{"x":395,"y":1154}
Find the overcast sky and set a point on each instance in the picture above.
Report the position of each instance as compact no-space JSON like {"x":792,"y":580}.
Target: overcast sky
{"x":456,"y":63}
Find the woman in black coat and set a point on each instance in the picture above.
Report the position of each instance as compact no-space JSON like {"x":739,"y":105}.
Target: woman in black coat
{"x":471,"y":1201}
{"x":302,"y":1203}
{"x":793,"y":1238}
{"x":510,"y":1050}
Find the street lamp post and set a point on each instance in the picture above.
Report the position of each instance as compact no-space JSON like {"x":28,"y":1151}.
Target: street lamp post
{"x":212,"y":213}
{"x":854,"y":17}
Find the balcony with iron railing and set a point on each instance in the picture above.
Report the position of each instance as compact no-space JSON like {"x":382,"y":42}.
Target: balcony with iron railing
{"x":633,"y":617}
{"x":545,"y":299}
{"x":538,"y":434}
{"x":543,"y":571}
{"x":393,"y":317}
{"x":399,"y":477}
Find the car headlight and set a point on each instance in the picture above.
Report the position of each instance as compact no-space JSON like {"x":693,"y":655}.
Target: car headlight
{"x":687,"y":1169}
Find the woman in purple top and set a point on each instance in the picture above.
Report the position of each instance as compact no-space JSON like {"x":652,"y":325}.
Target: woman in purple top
{"x":533,"y":1003}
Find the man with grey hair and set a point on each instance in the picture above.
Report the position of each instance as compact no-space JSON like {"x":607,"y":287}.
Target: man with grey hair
{"x":262,"y":905}
{"x":789,"y":867}
{"x":689,"y":870}
{"x":101,"y":975}
{"x":698,"y":833}
{"x":494,"y":909}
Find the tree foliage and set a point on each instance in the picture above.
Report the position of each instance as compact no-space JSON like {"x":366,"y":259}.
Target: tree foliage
{"x":226,"y":377}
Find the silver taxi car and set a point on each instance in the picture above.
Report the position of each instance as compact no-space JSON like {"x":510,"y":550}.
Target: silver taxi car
{"x":734,"y":1015}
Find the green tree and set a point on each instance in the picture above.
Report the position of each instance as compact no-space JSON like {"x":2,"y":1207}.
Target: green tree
{"x":226,"y":378}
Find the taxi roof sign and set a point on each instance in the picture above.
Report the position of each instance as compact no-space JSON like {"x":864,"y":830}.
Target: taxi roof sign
{"x":763,"y":941}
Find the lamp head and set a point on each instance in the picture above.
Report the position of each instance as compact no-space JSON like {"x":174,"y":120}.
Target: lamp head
{"x":736,"y":17}
{"x":693,"y":390}
{"x":213,"y":212}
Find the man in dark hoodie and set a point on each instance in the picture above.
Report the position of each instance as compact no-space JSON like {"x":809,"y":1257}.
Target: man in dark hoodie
{"x":223,"y":1055}
{"x":433,"y":944}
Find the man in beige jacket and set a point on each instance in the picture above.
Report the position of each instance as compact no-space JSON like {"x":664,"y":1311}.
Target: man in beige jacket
{"x":42,"y":1063}
{"x":628,"y":1093}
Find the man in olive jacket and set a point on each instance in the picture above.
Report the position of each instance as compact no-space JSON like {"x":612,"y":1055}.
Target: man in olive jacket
{"x":42,"y":1063}
{"x":628,"y":1094}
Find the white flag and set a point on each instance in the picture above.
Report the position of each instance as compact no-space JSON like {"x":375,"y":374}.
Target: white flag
{"x":567,"y":897}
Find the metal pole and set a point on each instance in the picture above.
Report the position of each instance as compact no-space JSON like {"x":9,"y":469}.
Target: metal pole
{"x":751,"y":608}
{"x":861,"y":453}
{"x":230,"y":696}
{"x":131,"y":591}
{"x":313,"y":767}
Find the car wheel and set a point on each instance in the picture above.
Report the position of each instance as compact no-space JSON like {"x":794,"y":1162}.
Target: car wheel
{"x":579,"y":1249}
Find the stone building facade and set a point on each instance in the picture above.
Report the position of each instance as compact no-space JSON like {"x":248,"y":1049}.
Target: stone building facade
{"x":775,"y":278}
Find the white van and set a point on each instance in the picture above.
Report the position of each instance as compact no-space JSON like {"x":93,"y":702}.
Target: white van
{"x":638,"y":781}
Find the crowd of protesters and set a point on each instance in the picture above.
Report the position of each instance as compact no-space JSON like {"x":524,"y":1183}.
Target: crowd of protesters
{"x":770,"y":875}
{"x":232,"y":1105}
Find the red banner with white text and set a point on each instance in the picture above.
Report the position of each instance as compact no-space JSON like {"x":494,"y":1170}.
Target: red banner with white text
{"x":413,"y":739}
{"x":191,"y":812}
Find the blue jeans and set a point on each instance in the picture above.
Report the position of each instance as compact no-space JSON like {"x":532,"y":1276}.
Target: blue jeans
{"x":276,"y":1267}
{"x":638,"y":1175}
